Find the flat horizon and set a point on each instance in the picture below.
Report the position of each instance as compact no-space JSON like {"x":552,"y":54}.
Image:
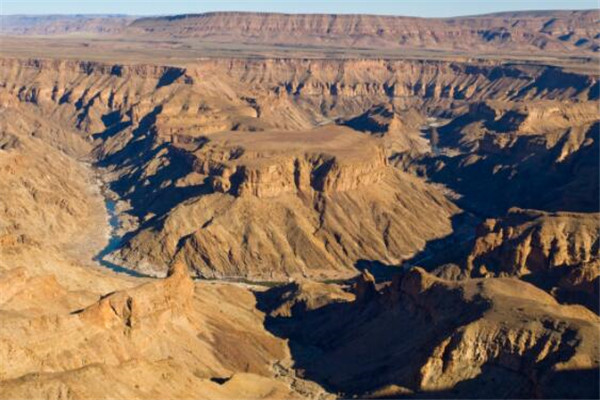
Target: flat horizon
{"x":117,"y":15}
{"x":425,"y":9}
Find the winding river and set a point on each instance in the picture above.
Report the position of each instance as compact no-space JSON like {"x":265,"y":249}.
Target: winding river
{"x":114,"y":242}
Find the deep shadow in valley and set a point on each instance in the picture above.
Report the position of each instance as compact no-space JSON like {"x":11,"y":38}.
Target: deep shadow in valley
{"x":334,"y":344}
{"x":491,"y":385}
{"x":526,"y":174}
{"x":135,"y":185}
{"x":446,"y":251}
{"x":148,"y":195}
{"x":378,"y":345}
{"x":381,"y":344}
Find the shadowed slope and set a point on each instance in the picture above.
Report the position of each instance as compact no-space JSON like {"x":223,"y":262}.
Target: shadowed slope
{"x":478,"y":338}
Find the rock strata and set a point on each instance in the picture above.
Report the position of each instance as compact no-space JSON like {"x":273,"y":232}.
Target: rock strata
{"x":464,"y":338}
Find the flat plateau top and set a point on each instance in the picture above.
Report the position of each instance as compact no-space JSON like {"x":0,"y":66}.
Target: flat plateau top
{"x":345,"y":144}
{"x":186,"y":51}
{"x":337,"y":140}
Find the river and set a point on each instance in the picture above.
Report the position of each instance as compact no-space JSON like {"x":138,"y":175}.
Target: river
{"x":114,"y":242}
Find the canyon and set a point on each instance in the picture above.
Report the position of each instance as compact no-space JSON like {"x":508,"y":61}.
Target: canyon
{"x":304,"y":219}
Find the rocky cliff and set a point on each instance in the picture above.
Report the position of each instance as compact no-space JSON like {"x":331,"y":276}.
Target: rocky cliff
{"x":163,"y":338}
{"x":200,"y":160}
{"x":495,"y":337}
{"x":493,"y":154}
{"x":528,"y":241}
{"x":557,"y":251}
{"x":549,"y":31}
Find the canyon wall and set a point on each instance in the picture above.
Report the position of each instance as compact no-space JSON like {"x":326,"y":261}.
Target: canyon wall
{"x":538,"y":32}
{"x":200,"y":153}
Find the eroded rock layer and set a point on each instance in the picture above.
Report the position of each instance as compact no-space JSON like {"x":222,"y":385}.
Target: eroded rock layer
{"x":201,"y":153}
{"x":532,"y":31}
{"x":267,"y":169}
{"x":164,"y":338}
{"x":497,"y":337}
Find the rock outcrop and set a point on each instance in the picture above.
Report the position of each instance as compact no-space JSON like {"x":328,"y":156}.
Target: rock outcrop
{"x":165,"y":337}
{"x":399,"y":129}
{"x":301,"y":234}
{"x":193,"y":157}
{"x":467,"y":338}
{"x":559,"y":252}
{"x":492,"y":155}
{"x":299,"y":297}
{"x":528,"y":242}
{"x":364,"y":287}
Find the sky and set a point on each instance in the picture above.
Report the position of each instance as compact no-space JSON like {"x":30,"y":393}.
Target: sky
{"x":421,"y":8}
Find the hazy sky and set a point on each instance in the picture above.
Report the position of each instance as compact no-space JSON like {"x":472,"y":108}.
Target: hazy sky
{"x":424,"y":8}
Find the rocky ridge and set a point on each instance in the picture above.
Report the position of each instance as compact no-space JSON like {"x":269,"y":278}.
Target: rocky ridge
{"x":534,"y":31}
{"x":195,"y":142}
{"x":165,"y":337}
{"x":461,"y":337}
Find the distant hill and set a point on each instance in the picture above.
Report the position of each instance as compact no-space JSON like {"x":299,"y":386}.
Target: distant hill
{"x":576,"y":32}
{"x":63,"y":24}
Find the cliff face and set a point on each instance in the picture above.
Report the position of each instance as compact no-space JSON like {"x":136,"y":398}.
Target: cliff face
{"x":166,"y":337}
{"x":493,"y":153}
{"x":468,"y":338}
{"x":528,"y":241}
{"x":51,"y":211}
{"x":555,"y":31}
{"x":328,"y":79}
{"x":201,"y":153}
{"x":563,"y":31}
{"x":269,"y":164}
{"x":557,"y":251}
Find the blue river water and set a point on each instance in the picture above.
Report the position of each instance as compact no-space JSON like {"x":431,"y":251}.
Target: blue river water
{"x":114,"y":242}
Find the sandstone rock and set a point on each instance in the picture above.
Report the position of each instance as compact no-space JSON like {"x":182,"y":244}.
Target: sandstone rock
{"x":166,"y":337}
{"x":299,"y":297}
{"x":463,"y":338}
{"x":364,"y":287}
{"x":530,"y":241}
